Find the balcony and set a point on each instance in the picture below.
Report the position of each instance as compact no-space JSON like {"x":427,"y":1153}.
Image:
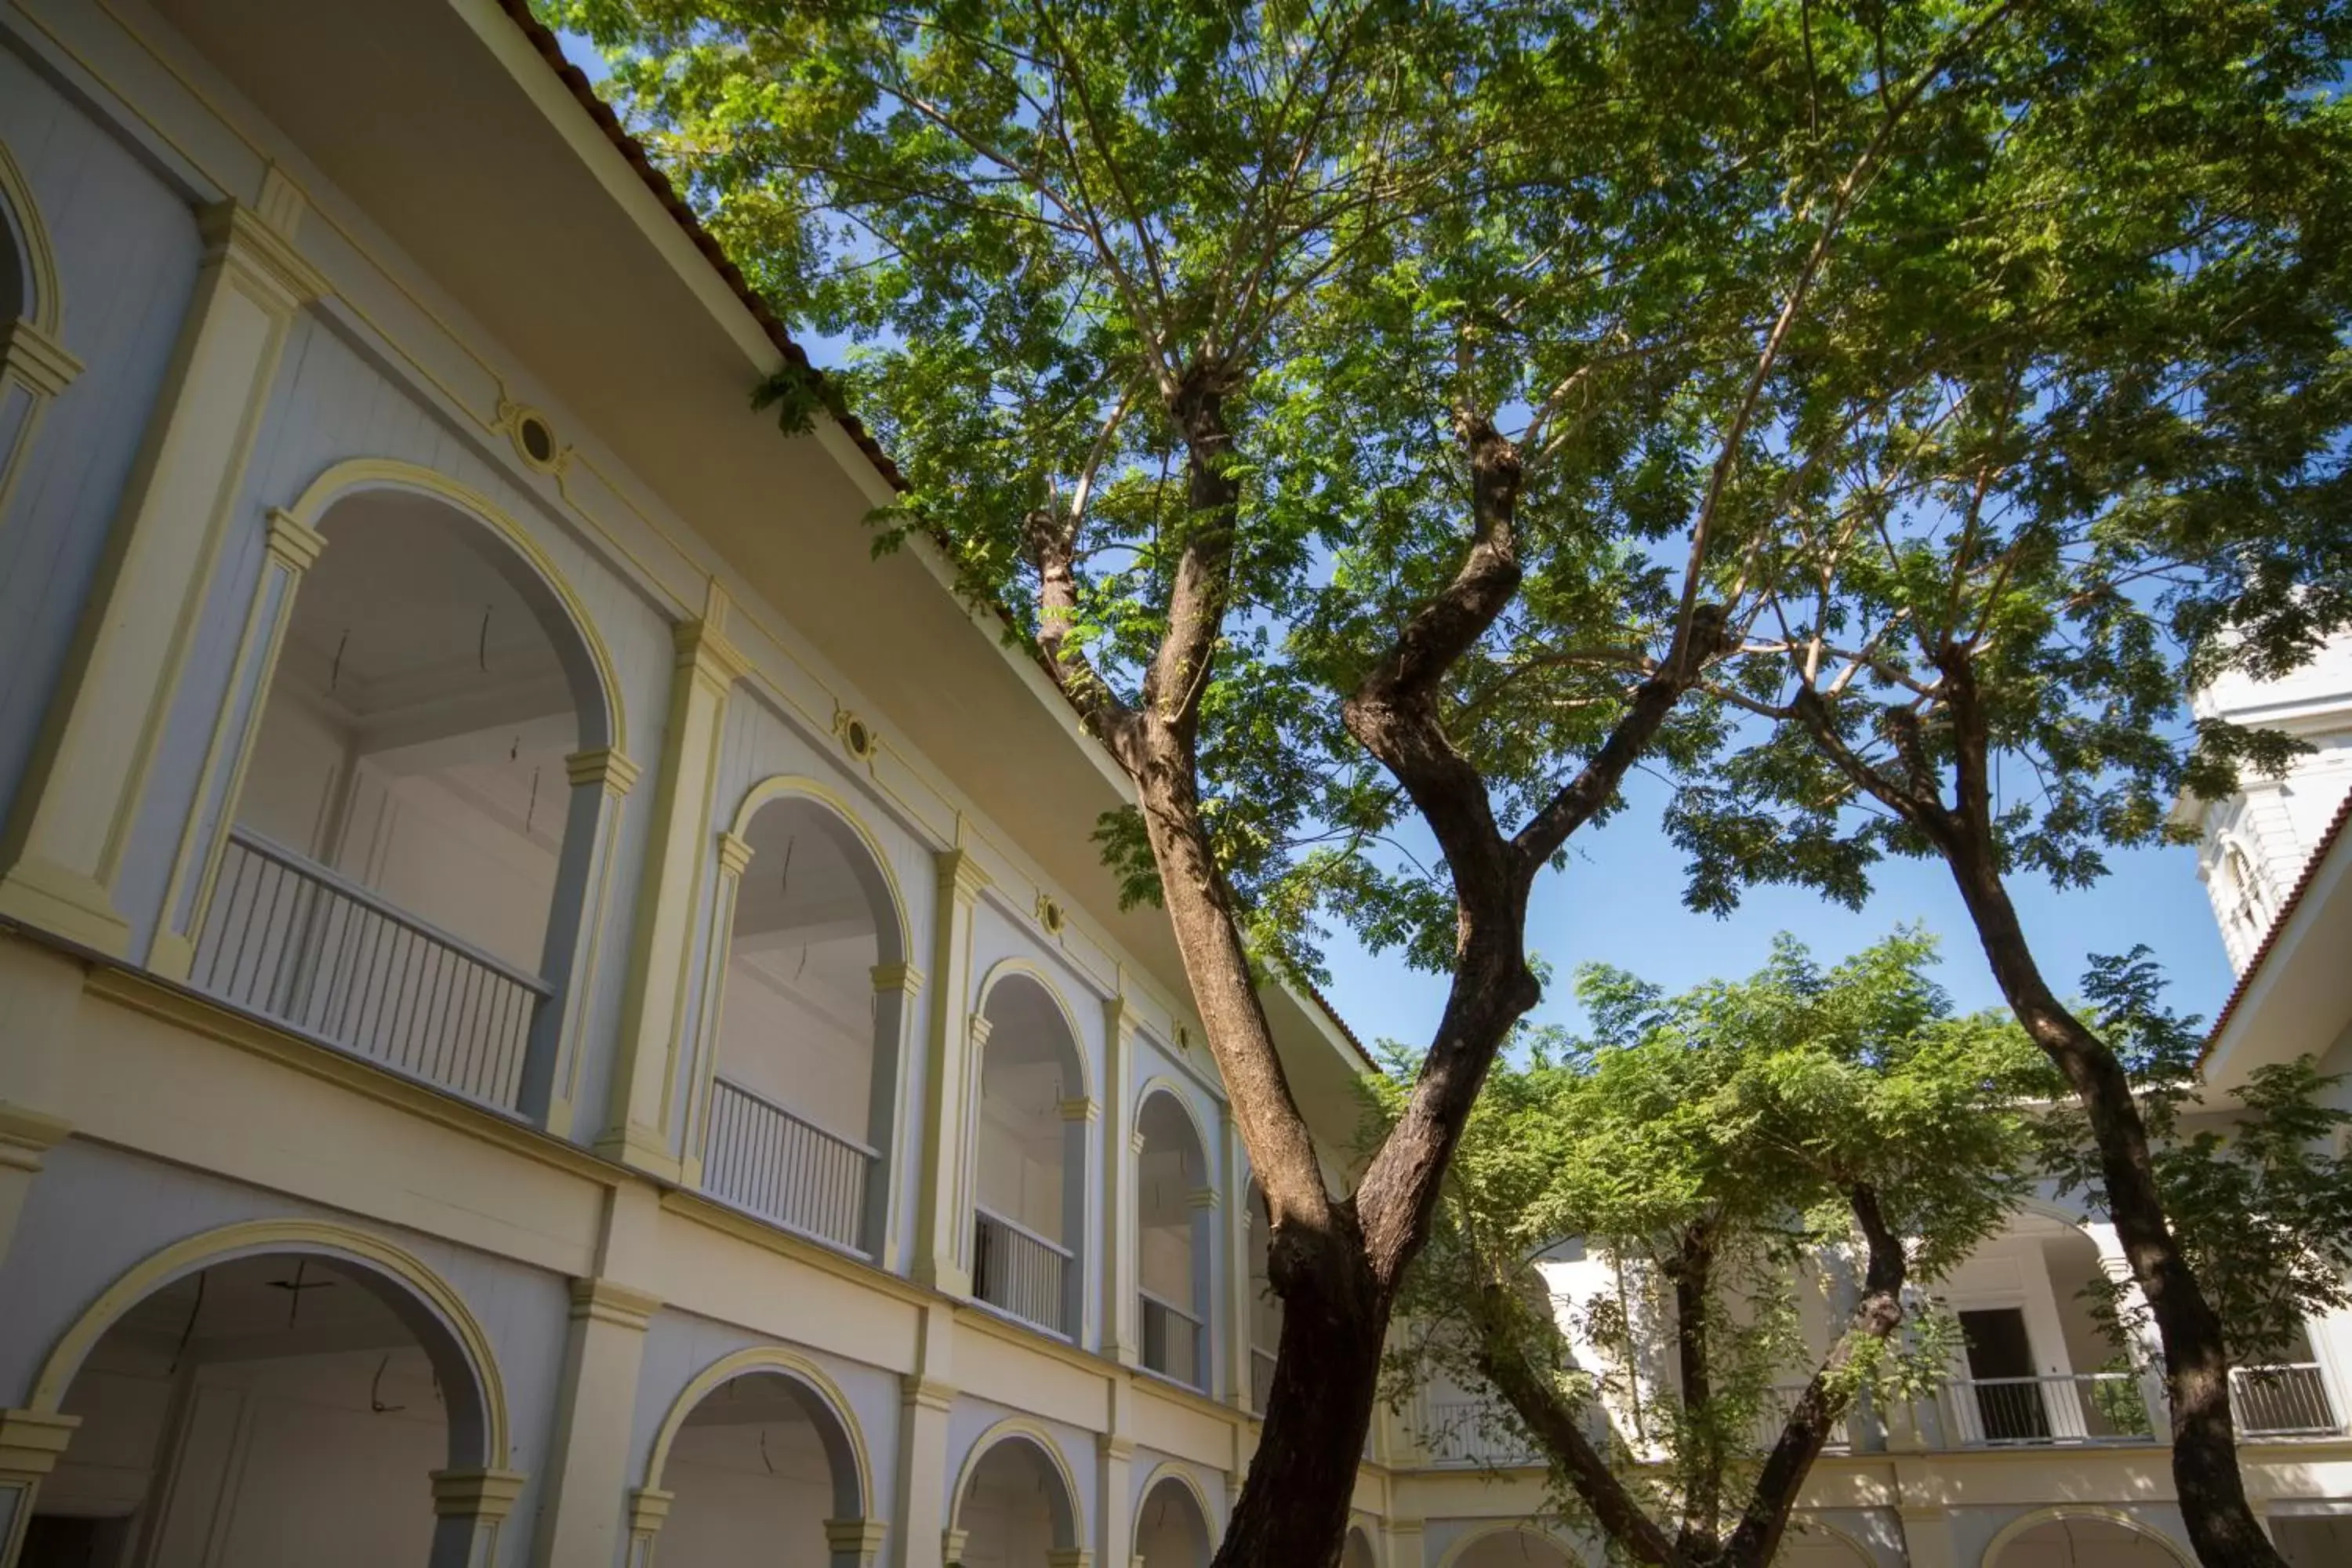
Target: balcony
{"x":2286,"y":1401}
{"x":289,"y":939}
{"x":1261,"y":1377}
{"x":2051,"y":1410}
{"x":1175,"y":1342}
{"x":764,"y":1160}
{"x":1020,"y":1273}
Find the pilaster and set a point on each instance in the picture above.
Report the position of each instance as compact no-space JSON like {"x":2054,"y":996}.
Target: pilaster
{"x":943,"y":1195}
{"x":1122,"y":1335}
{"x":31,"y":1443}
{"x":734,"y":859}
{"x":291,"y":548}
{"x":639,"y":1126}
{"x":1115,"y":1497}
{"x":594,"y":1404}
{"x":926,"y":1398}
{"x":40,"y":1002}
{"x":1241,"y":1312}
{"x":1405,"y":1542}
{"x":64,"y":844}
{"x":854,"y":1543}
{"x":600,"y":779}
{"x":468,"y":1508}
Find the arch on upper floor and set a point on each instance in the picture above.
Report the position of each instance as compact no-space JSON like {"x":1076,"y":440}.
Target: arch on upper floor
{"x":1161,"y":1085}
{"x":817,"y":1395}
{"x":1018,"y":972}
{"x":426,"y":1305}
{"x":30,"y":290}
{"x":1176,"y":1240}
{"x":1017,"y":1436}
{"x":860,"y":846}
{"x":1463,"y":1547}
{"x":588,"y":664}
{"x":2026,"y":1523}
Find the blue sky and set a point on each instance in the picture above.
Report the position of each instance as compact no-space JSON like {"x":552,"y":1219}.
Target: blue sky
{"x":1620,"y":902}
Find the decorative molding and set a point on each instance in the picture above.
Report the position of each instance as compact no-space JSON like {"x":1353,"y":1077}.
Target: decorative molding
{"x":1080,"y":1108}
{"x":860,"y":1539}
{"x":236,"y":234}
{"x":919,"y":1391}
{"x":902,"y":979}
{"x":292,"y":542}
{"x":602,"y":766}
{"x":959,"y":876}
{"x":26,"y":1134}
{"x":734,"y":854}
{"x":36,"y":359}
{"x":483,"y":1494}
{"x":649,"y":1509}
{"x":32,"y":1441}
{"x":40,"y":259}
{"x":784,"y":1362}
{"x":604,"y":1301}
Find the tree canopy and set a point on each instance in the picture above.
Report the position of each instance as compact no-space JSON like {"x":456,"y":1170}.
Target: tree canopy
{"x":1773,"y":1169}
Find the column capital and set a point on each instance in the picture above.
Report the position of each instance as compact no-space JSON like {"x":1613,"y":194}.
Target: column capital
{"x":904,"y":978}
{"x":1201,"y":1197}
{"x":32,"y":1441}
{"x":702,"y":646}
{"x":26,"y":1135}
{"x":235,"y":234}
{"x":915,"y":1390}
{"x":485,"y":1494}
{"x":951,"y":1547}
{"x":1116,"y":1447}
{"x":1119,"y":1020}
{"x":1081,"y":1109}
{"x":1068,"y":1557}
{"x":602,"y":766}
{"x":649,"y":1509}
{"x":979,"y":1028}
{"x":605,"y":1301}
{"x":293,"y":544}
{"x":734,"y":854}
{"x":859,"y":1538}
{"x":959,"y":876}
{"x":34,"y":358}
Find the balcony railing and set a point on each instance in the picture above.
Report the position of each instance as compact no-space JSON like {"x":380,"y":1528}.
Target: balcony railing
{"x":288,"y":938}
{"x":1175,"y":1340}
{"x":1021,"y":1273}
{"x":785,"y":1168}
{"x":1773,"y":1417}
{"x":1261,"y":1378}
{"x":2289,"y":1401}
{"x":2054,"y":1408}
{"x":1469,"y":1432}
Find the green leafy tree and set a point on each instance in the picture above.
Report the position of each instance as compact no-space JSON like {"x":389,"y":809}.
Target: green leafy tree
{"x":1730,"y":1151}
{"x":1380,"y":416}
{"x":2255,"y":1186}
{"x":2125,"y":473}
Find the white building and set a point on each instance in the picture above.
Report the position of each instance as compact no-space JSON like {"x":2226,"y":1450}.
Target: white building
{"x":551,"y":1010}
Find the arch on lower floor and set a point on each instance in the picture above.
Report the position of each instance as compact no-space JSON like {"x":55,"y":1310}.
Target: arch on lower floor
{"x":2132,"y":1543}
{"x":981,"y":1527}
{"x":1172,"y":1522}
{"x":1509,"y":1544}
{"x":1817,"y":1543}
{"x":1358,"y":1550}
{"x":818,"y":1396}
{"x":424,"y":1303}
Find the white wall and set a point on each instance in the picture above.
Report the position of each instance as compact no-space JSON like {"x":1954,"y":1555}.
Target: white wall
{"x":748,"y":1495}
{"x":803,"y":1037}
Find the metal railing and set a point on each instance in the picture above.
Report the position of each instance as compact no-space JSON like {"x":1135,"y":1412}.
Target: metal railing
{"x":1019,"y":1272}
{"x":2286,"y":1401}
{"x":1773,"y":1417}
{"x":2052,"y":1408}
{"x":1175,"y":1340}
{"x":784,"y":1167}
{"x":286,"y":937}
{"x":1469,"y":1432}
{"x":1261,"y":1378}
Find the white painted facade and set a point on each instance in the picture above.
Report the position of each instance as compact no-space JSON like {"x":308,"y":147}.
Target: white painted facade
{"x":551,"y":1010}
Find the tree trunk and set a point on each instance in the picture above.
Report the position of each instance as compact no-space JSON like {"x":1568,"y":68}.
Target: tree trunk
{"x":1293,"y":1505}
{"x":2196,"y":1366}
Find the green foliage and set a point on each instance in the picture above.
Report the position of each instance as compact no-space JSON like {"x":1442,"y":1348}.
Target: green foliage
{"x":1745,"y":1112}
{"x":2258,"y":1190}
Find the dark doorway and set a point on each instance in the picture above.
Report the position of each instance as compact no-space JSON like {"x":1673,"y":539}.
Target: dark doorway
{"x":2000,"y":1365}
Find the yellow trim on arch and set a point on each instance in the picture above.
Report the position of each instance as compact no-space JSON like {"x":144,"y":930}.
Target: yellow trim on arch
{"x":743,"y":1363}
{"x":1175,"y":1470}
{"x":40,"y":260}
{"x":1160,"y":1083}
{"x":2041,"y":1516}
{"x":1455,"y":1552}
{"x":800,"y":786}
{"x":391,"y":473}
{"x":1038,"y":1437}
{"x":1017,"y":964}
{"x":251,"y":1237}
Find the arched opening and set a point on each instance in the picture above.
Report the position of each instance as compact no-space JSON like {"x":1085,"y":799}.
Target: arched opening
{"x":756,"y":1471}
{"x":406,"y":813}
{"x":807,"y":1056}
{"x":1358,"y":1551}
{"x":1513,"y":1549}
{"x":1817,"y":1548}
{"x":276,"y":1408}
{"x":1171,"y":1530}
{"x":2083,"y":1540}
{"x":1015,"y":1508}
{"x":1264,"y":1306}
{"x":1028,"y":1246}
{"x":1174,"y":1241}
